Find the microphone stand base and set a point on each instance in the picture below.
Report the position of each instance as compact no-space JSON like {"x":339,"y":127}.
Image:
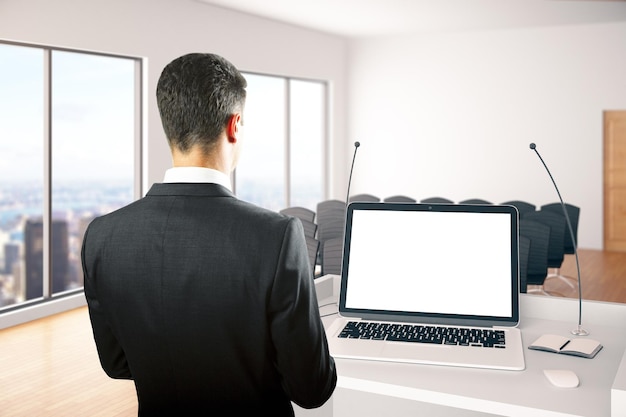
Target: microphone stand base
{"x":579,"y":331}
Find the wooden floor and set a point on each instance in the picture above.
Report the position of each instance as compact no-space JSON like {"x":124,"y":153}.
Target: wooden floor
{"x":50,"y":367}
{"x":602,"y":274}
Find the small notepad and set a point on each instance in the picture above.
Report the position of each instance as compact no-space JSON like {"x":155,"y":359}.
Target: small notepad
{"x":583,"y":347}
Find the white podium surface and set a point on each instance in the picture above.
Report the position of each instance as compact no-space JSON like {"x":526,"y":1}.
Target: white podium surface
{"x":618,"y":391}
{"x":370,"y":388}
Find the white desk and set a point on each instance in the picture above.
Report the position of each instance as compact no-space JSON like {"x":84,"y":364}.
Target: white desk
{"x":368,"y":388}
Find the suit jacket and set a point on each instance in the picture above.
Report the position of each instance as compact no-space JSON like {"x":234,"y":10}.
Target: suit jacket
{"x":207,"y":303}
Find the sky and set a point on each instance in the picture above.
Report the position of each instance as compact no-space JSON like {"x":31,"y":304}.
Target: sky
{"x":92,"y":115}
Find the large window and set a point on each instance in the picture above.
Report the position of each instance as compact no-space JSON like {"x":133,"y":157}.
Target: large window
{"x":282,"y":162}
{"x":68,"y":152}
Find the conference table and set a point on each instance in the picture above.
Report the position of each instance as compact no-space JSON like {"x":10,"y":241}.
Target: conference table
{"x":373,"y":388}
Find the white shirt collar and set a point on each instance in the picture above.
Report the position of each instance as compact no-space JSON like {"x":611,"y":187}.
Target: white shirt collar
{"x":197,"y":175}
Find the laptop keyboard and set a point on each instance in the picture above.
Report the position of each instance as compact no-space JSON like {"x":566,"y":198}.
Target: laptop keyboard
{"x":416,"y":333}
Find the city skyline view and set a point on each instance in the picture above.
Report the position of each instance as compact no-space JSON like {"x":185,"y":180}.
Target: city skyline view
{"x":74,"y":205}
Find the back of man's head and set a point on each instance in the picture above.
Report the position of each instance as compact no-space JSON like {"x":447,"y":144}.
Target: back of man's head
{"x":196,"y":94}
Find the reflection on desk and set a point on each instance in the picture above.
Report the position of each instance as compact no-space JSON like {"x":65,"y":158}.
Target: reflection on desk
{"x":368,"y":388}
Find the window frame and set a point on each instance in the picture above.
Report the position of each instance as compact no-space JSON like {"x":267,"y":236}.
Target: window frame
{"x":55,"y":303}
{"x":325,"y":188}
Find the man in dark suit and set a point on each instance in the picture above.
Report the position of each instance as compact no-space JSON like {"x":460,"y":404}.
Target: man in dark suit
{"x":205,"y":301}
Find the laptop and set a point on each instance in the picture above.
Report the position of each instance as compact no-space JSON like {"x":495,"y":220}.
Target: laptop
{"x":430,"y":284}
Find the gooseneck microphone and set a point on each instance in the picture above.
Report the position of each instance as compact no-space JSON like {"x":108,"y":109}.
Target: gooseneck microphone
{"x":356,"y":146}
{"x":579,"y":331}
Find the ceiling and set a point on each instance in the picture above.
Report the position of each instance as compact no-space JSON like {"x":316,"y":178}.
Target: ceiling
{"x":372,"y":18}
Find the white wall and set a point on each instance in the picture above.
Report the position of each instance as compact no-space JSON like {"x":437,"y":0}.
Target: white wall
{"x":453,"y":115}
{"x":161,"y":30}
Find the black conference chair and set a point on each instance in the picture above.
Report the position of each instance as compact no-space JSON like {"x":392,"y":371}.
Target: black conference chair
{"x":537,"y":266}
{"x":399,"y":199}
{"x":332,"y":256}
{"x":300,"y":212}
{"x":310,"y":228}
{"x":573,"y":213}
{"x":313,"y":247}
{"x":522,"y":206}
{"x":328,"y":230}
{"x":524,"y":250}
{"x":327,"y":206}
{"x":436,"y":200}
{"x":330,"y":219}
{"x":306,"y":217}
{"x":556,"y":222}
{"x":475,"y":201}
{"x":364,"y":197}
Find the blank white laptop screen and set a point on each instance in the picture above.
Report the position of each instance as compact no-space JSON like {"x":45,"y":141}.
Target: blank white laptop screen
{"x":443,"y":262}
{"x":430,"y":262}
